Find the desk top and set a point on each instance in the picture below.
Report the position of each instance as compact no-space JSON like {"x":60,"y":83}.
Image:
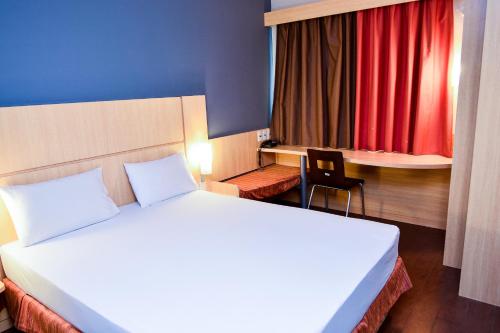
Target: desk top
{"x":378,"y":159}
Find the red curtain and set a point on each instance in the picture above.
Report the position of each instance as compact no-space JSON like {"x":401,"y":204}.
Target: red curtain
{"x":404,"y":93}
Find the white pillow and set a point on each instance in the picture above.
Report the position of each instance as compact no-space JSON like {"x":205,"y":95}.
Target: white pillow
{"x":49,"y":209}
{"x":160,"y":180}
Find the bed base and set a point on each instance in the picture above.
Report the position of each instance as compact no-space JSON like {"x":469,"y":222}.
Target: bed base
{"x":30,"y":316}
{"x":399,"y":282}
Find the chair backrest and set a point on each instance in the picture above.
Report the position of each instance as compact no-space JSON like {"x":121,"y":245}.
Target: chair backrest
{"x":327,"y":177}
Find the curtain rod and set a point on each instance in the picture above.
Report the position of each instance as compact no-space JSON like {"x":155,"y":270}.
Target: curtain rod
{"x":323,"y":8}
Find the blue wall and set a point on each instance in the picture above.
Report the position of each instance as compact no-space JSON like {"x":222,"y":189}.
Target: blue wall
{"x":59,"y":51}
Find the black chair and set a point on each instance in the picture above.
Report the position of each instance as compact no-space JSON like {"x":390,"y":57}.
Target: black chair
{"x":334,"y":179}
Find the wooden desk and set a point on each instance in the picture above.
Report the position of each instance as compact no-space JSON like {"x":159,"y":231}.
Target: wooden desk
{"x":377,"y":159}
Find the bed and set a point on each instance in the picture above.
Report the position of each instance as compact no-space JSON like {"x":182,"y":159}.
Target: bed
{"x":206,"y":262}
{"x":196,"y":262}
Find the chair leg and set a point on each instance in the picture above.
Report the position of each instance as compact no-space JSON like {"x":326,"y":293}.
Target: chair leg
{"x":348,"y":203}
{"x":326,"y":197}
{"x":311,"y":197}
{"x":363,"y":199}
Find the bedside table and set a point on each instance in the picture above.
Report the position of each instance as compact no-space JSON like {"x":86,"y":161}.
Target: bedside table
{"x":222,"y":188}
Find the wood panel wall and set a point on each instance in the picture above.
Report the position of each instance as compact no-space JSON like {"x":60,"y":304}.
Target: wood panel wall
{"x":43,"y":135}
{"x":414,"y":196}
{"x":480,"y":278}
{"x":472,"y":52}
{"x":195,"y":125}
{"x":235,"y":155}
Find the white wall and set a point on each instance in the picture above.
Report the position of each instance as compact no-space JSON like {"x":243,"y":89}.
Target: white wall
{"x":278,"y":4}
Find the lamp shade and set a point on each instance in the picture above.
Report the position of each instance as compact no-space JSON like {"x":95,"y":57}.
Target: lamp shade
{"x":201,"y":155}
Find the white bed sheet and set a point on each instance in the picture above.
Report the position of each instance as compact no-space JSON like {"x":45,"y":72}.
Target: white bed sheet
{"x":208,"y":263}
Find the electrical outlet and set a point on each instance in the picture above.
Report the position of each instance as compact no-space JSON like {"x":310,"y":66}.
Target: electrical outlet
{"x":263,"y":135}
{"x":260,"y":136}
{"x":267,"y":134}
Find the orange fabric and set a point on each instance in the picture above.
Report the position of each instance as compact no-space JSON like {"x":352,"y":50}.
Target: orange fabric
{"x":268,"y":182}
{"x":13,"y":297}
{"x":399,"y":282}
{"x":30,"y":316}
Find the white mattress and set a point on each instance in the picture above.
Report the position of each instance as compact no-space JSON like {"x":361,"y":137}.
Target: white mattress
{"x":208,"y":263}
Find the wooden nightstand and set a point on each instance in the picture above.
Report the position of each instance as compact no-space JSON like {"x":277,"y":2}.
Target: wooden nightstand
{"x":222,"y":188}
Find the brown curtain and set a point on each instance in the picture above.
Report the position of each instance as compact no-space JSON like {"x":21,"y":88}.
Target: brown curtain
{"x":315,"y":91}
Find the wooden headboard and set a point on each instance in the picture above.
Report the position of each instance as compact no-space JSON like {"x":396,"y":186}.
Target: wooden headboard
{"x":39,"y":143}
